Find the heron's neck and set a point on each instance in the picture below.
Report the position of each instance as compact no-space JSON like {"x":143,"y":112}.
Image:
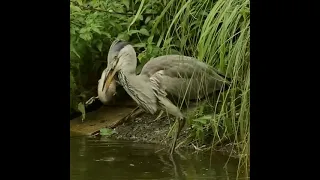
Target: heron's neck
{"x":128,"y":64}
{"x":139,"y":88}
{"x":131,"y":75}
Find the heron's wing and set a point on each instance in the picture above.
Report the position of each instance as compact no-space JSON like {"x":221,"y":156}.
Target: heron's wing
{"x":179,"y":66}
{"x":189,"y":88}
{"x":161,"y":63}
{"x":159,"y":90}
{"x":183,"y":76}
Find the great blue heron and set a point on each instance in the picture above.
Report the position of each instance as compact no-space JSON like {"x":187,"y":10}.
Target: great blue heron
{"x":177,"y":75}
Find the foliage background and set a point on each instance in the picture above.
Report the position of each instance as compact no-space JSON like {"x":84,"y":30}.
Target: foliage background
{"x":214,"y":31}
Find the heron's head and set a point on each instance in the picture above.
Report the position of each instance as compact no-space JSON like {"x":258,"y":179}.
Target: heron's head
{"x":121,"y":56}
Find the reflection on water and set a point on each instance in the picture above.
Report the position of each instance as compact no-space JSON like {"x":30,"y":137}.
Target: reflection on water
{"x":104,"y":159}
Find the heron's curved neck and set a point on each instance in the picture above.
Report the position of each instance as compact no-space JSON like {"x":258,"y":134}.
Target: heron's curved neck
{"x":128,"y":64}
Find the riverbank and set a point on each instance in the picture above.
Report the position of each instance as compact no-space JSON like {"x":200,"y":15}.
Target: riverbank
{"x":147,"y":128}
{"x":144,"y":128}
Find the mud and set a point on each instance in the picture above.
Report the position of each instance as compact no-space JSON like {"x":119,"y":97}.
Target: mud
{"x":146,"y":129}
{"x":143,"y":128}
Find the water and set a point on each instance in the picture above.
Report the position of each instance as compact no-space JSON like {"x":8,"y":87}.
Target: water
{"x":104,"y":159}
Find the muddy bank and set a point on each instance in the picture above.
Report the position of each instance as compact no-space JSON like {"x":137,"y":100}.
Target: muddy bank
{"x":144,"y":128}
{"x":147,"y":129}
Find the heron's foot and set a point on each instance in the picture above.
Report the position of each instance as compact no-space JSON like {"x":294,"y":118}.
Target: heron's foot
{"x":134,"y":113}
{"x":181,"y":123}
{"x":91,"y":100}
{"x":158,"y":117}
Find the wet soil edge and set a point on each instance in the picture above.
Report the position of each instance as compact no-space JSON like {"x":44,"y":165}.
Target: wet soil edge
{"x":145,"y":129}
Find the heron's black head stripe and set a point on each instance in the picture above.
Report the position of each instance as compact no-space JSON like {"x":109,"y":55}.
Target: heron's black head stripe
{"x":119,"y":45}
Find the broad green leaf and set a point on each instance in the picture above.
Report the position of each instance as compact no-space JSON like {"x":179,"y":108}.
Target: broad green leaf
{"x":123,"y":36}
{"x":133,"y":32}
{"x":86,"y":36}
{"x":141,"y":56}
{"x":74,"y":50}
{"x":197,"y":127}
{"x":150,"y":48}
{"x":95,"y":29}
{"x":82,"y":109}
{"x":99,"y":46}
{"x":144,"y":32}
{"x":139,"y":45}
{"x":126,"y":3}
{"x":140,"y":17}
{"x":83,"y":30}
{"x":80,"y":2}
{"x":89,"y":20}
{"x":106,"y":34}
{"x":74,"y":8}
{"x":147,"y":20}
{"x":72,"y":31}
{"x":203,"y":119}
{"x":106,"y":132}
{"x":150,"y":39}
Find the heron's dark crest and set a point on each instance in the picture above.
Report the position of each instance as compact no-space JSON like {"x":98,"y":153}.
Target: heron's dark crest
{"x":117,"y":45}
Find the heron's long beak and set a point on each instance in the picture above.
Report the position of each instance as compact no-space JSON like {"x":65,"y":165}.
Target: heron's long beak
{"x":110,"y":74}
{"x":108,"y":79}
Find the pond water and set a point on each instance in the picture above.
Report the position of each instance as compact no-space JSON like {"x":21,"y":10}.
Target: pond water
{"x":105,"y":159}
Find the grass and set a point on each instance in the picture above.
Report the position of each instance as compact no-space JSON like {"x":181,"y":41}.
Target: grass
{"x":218,"y":34}
{"x":215,"y":32}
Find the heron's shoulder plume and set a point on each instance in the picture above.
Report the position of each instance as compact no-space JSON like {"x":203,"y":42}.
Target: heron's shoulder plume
{"x":117,"y":45}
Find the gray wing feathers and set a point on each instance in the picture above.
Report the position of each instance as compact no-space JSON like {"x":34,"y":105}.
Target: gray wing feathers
{"x":179,"y":66}
{"x":175,"y":74}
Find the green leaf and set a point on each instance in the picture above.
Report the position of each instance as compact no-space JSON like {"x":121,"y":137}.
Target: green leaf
{"x":133,"y":32}
{"x":106,"y":34}
{"x":203,"y":119}
{"x":139,"y":45}
{"x":150,"y":39}
{"x":123,"y":36}
{"x":96,"y":29}
{"x":83,"y":30}
{"x":99,"y":46}
{"x":74,"y":51}
{"x":141,"y":56}
{"x":106,"y":132}
{"x":126,"y":3}
{"x":80,"y":2}
{"x":74,"y":8}
{"x":82,"y":109}
{"x":149,"y":48}
{"x":147,"y":19}
{"x":197,"y":127}
{"x":144,"y":32}
{"x":86,"y":36}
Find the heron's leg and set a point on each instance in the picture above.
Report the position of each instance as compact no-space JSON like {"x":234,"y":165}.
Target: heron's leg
{"x":173,"y":110}
{"x":181,"y":123}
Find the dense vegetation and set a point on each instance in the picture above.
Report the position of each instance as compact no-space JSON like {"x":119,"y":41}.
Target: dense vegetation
{"x":216,"y":32}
